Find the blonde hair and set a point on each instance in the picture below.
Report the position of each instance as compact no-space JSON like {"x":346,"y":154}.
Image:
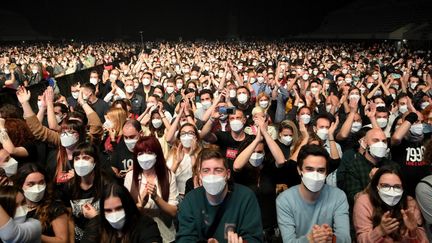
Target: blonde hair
{"x":118,"y":117}
{"x":259,"y":96}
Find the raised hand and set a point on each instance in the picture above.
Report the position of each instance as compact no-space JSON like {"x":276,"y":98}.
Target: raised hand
{"x":23,"y":95}
{"x":409,"y":219}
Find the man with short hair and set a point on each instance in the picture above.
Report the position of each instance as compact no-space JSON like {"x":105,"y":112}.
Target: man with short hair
{"x":73,"y":99}
{"x":220,"y":210}
{"x":313,"y":211}
{"x":98,"y":105}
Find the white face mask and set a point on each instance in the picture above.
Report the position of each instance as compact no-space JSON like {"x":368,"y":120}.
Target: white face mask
{"x":206,"y":104}
{"x":236,"y":125}
{"x":232,"y":93}
{"x":40,"y":105}
{"x":83,"y":167}
{"x":354,"y":97}
{"x":305,"y":118}
{"x":403,"y":109}
{"x":186,"y":140}
{"x":93,"y":81}
{"x":35,"y":193}
{"x":213,"y":184}
{"x":157,"y":123}
{"x":116,"y":219}
{"x":305,"y":76}
{"x":328,"y":108}
{"x":67,"y":140}
{"x":322,"y":133}
{"x":413,"y":85}
{"x":356,"y":126}
{"x":112,"y":77}
{"x":146,"y":161}
{"x":369,"y":85}
{"x":10,"y":167}
{"x":75,"y":95}
{"x":179,"y":86}
{"x":313,"y":181}
{"x":263,"y":104}
{"x":242,"y":98}
{"x":348,"y":80}
{"x":287,"y":140}
{"x":391,"y":197}
{"x":314,"y":90}
{"x":129,"y":89}
{"x":34,"y":71}
{"x":108,"y":124}
{"x":424,"y":105}
{"x":130,"y":143}
{"x":260,"y":80}
{"x":256,"y":159}
{"x":416,"y":129}
{"x":59,"y":118}
{"x":20,"y":214}
{"x":375,"y":76}
{"x":146,"y":81}
{"x":170,"y":90}
{"x":382,"y":122}
{"x":378,"y":150}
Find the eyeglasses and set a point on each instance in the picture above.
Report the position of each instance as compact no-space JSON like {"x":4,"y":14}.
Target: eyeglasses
{"x":386,"y":187}
{"x":191,"y":133}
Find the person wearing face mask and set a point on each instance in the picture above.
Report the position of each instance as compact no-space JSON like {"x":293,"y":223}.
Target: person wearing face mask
{"x":255,"y":167}
{"x":82,"y":193}
{"x":59,"y":160}
{"x":137,"y":101}
{"x":227,"y":142}
{"x":327,"y":219}
{"x":206,"y":99}
{"x":155,"y":123}
{"x":372,"y":155}
{"x":408,"y":149}
{"x":183,"y":154}
{"x":263,"y":101}
{"x":120,"y":220}
{"x":258,"y":113}
{"x":384,"y":212}
{"x":152,"y":185}
{"x":231,"y":208}
{"x":14,"y":226}
{"x":243,"y":101}
{"x":122,"y":156}
{"x":352,"y":125}
{"x":145,"y":89}
{"x":98,"y":105}
{"x":114,"y":121}
{"x":73,"y":99}
{"x":41,"y":203}
{"x":261,"y":86}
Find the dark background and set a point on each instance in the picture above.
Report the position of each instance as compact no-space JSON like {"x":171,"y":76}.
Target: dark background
{"x":107,"y":20}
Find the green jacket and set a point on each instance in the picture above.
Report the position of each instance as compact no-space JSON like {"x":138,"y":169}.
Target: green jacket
{"x":242,"y":214}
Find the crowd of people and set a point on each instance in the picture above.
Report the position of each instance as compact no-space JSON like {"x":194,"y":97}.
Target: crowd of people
{"x":218,"y":142}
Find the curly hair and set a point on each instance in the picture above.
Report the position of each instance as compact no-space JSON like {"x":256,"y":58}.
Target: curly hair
{"x":19,"y":132}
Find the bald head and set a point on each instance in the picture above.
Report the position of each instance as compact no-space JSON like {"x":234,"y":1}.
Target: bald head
{"x":375,"y":135}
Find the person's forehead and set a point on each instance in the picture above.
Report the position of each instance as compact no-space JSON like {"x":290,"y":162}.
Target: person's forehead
{"x":212,"y":163}
{"x":314,"y":161}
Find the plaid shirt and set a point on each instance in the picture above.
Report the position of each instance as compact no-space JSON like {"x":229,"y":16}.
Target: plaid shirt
{"x":357,"y":175}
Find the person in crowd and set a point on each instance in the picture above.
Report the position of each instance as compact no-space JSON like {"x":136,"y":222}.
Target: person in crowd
{"x":14,"y":225}
{"x":98,"y":105}
{"x":313,"y":211}
{"x":82,"y":193}
{"x":153,"y":186}
{"x":42,"y":204}
{"x":219,"y":210}
{"x":255,"y":168}
{"x":120,"y":219}
{"x":183,"y":154}
{"x":384,"y":211}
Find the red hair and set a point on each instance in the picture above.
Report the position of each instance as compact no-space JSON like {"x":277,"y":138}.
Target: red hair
{"x":150,"y":144}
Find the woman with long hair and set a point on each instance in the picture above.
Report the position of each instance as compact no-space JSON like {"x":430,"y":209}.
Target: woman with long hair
{"x":14,"y":226}
{"x":153,"y":186}
{"x":120,"y":219}
{"x":83,"y":192}
{"x":41,"y":203}
{"x":385,"y":213}
{"x":183,"y":154}
{"x":114,"y":121}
